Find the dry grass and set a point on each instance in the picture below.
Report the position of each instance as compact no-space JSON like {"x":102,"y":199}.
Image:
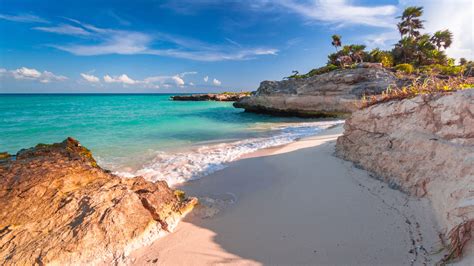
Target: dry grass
{"x":427,"y":85}
{"x":458,"y":238}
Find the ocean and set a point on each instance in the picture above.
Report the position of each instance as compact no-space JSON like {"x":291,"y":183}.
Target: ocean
{"x":147,"y":134}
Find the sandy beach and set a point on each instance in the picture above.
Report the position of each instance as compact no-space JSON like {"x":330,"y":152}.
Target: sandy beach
{"x":298,"y":204}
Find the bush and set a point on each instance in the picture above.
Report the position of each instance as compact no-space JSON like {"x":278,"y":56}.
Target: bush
{"x":321,"y":70}
{"x":314,"y":72}
{"x":430,"y":85}
{"x":405,"y":68}
{"x":379,"y":56}
{"x":443,"y":70}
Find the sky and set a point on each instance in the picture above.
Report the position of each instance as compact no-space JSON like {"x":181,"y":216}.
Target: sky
{"x":152,"y":46}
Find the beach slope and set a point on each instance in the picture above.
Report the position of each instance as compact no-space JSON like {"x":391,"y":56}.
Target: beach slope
{"x":298,"y":204}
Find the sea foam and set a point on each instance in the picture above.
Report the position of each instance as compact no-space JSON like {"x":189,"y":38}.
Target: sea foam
{"x":179,"y":167}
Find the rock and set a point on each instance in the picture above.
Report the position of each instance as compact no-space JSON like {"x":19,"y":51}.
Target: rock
{"x":336,"y":93}
{"x":219,"y":97}
{"x":4,"y":155}
{"x":424,"y":146}
{"x":59,"y":207}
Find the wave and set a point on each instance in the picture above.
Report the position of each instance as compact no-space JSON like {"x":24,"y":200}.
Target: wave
{"x":176,"y":168}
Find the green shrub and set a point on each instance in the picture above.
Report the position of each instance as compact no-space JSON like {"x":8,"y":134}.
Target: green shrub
{"x":321,"y":70}
{"x":449,"y":70}
{"x":405,"y":68}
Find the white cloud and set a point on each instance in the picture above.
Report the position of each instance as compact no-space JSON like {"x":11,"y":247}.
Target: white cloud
{"x":25,"y":73}
{"x":216,"y":82}
{"x":124,"y":42}
{"x":90,"y":78}
{"x":191,"y":84}
{"x":384,"y":40}
{"x":27,"y":18}
{"x":64,"y":29}
{"x":151,"y":82}
{"x":206,"y":78}
{"x":178,"y":80}
{"x":338,"y":12}
{"x":124,"y":79}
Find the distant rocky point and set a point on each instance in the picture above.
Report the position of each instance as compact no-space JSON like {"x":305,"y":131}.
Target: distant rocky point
{"x":219,"y":97}
{"x":424,"y":146}
{"x":59,"y":207}
{"x":331,"y":94}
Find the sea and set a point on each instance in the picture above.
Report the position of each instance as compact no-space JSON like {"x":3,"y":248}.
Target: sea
{"x":147,"y":134}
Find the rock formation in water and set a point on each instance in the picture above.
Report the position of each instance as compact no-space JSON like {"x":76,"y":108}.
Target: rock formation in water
{"x":59,"y":207}
{"x":425,"y":146}
{"x":219,"y":97}
{"x":331,"y":94}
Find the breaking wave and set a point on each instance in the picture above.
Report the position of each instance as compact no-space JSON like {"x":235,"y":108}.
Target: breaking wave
{"x":179,"y":167}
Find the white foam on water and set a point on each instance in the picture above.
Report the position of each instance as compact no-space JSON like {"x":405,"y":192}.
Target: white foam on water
{"x":175,"y":168}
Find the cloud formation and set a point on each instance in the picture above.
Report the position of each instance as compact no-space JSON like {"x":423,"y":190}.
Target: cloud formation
{"x":25,"y":73}
{"x":216,"y":82}
{"x":112,"y":41}
{"x":64,"y":29}
{"x":341,"y":12}
{"x":90,"y":78}
{"x":150,"y":82}
{"x":25,"y":18}
{"x":124,"y":79}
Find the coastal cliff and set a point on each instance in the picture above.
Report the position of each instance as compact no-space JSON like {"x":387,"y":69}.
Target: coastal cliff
{"x":331,"y":94}
{"x":424,"y":146}
{"x":60,"y":207}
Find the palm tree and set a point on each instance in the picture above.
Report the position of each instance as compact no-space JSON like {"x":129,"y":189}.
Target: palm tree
{"x":336,"y":41}
{"x":442,"y":39}
{"x":411,"y":21}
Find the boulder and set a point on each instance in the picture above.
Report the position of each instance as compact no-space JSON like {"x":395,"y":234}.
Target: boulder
{"x":424,"y":146}
{"x":336,"y":93}
{"x":59,"y":207}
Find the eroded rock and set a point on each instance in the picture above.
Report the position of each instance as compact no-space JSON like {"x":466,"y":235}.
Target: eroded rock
{"x":336,"y":93}
{"x":219,"y":97}
{"x":59,"y":207}
{"x":424,"y":146}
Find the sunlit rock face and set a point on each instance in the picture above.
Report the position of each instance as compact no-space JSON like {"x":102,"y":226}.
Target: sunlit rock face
{"x":331,"y":94}
{"x":424,"y":146}
{"x":59,"y":207}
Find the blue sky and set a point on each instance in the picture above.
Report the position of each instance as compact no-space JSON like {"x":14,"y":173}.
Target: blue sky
{"x":194,"y":46}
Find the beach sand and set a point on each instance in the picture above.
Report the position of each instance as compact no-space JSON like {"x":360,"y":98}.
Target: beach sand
{"x":298,"y":205}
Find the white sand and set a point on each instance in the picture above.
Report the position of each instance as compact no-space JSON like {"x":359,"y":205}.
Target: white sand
{"x":298,"y":204}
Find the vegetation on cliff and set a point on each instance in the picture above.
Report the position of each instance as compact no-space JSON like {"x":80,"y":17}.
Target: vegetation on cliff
{"x":415,"y":53}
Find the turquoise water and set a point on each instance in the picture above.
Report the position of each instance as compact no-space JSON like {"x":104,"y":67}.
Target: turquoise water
{"x":127,"y":130}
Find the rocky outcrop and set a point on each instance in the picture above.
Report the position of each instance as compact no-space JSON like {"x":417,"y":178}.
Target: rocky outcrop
{"x":219,"y":97}
{"x":424,"y":146}
{"x":331,"y":94}
{"x":59,"y":207}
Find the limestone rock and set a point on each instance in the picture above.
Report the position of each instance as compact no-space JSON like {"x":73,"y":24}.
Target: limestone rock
{"x":424,"y":146}
{"x":331,"y":94}
{"x":219,"y":97}
{"x":58,"y":207}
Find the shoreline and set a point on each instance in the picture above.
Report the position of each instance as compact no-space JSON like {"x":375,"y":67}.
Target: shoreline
{"x":297,"y":204}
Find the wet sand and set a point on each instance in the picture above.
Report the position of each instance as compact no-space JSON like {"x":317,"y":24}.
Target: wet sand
{"x":298,"y":205}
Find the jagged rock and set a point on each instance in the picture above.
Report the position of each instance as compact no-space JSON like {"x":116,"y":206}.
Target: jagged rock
{"x":424,"y":146}
{"x":59,"y":207}
{"x":331,"y":94}
{"x":219,"y":97}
